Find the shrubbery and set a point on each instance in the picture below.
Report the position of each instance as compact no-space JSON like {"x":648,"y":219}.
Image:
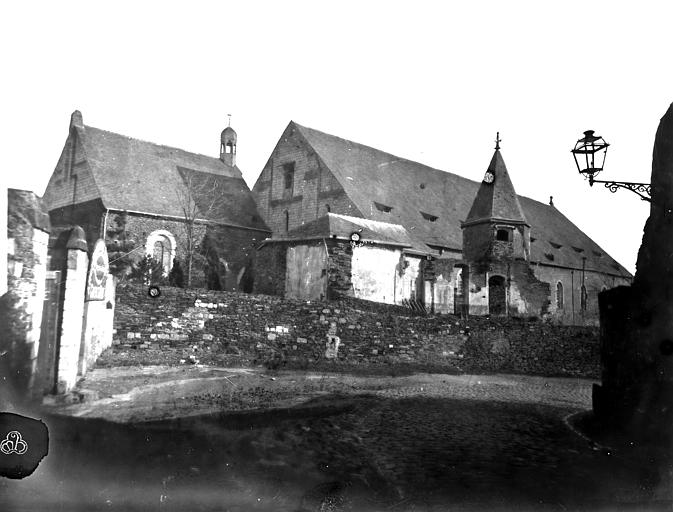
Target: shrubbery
{"x":148,"y":271}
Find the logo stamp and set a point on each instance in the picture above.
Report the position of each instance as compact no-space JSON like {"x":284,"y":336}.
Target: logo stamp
{"x":24,"y":442}
{"x":13,"y":443}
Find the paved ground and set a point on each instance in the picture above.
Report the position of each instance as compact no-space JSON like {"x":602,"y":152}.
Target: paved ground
{"x":419,"y":442}
{"x":127,"y":394}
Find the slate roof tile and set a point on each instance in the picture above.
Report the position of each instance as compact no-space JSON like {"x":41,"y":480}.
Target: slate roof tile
{"x":369,"y":175}
{"x":136,"y":175}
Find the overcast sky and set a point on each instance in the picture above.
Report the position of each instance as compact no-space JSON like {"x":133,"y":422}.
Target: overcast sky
{"x":428,"y":81}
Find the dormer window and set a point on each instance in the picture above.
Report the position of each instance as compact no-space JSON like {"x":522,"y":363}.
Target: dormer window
{"x":578,"y":249}
{"x":382,"y":207}
{"x":503,"y":235}
{"x":597,"y":253}
{"x":550,"y":257}
{"x":429,"y":217}
{"x":555,"y":245}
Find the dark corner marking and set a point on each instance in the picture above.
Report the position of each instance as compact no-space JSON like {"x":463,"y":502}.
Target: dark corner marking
{"x":24,"y":442}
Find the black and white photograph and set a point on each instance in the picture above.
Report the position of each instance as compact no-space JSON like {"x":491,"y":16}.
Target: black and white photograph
{"x":336,"y":256}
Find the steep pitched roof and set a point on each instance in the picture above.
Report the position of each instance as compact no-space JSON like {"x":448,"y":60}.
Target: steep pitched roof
{"x":497,"y":199}
{"x":431,"y":204}
{"x":141,"y":176}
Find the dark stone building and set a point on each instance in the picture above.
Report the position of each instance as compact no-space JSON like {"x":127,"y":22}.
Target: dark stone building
{"x":147,"y":199}
{"x":421,"y":235}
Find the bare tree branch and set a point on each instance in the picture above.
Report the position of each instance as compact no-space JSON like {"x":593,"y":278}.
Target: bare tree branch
{"x":200,"y":196}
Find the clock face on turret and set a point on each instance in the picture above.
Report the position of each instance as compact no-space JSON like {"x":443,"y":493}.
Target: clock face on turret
{"x":488,"y":177}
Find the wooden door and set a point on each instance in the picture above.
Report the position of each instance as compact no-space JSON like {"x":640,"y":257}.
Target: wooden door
{"x":50,"y":334}
{"x":306,"y":272}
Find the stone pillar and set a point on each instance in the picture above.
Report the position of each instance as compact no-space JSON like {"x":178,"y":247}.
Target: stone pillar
{"x":108,"y":316}
{"x":73,"y":310}
{"x":35,"y":305}
{"x":97,"y":331}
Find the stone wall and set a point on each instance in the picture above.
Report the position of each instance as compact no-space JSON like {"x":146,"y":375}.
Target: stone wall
{"x":572,"y":280}
{"x":88,"y":215}
{"x":233,"y":247}
{"x":21,"y":308}
{"x":227,"y":328}
{"x":3,"y":239}
{"x":270,"y":267}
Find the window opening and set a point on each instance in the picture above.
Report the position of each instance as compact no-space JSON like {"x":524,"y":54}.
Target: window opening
{"x":502,"y":235}
{"x":288,"y":175}
{"x":559,"y":295}
{"x":382,"y":207}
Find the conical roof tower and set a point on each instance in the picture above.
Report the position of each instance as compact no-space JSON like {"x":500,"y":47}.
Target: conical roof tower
{"x":496,"y":227}
{"x":496,"y":199}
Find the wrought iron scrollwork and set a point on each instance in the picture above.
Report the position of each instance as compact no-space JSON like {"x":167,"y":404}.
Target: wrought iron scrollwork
{"x":644,"y":190}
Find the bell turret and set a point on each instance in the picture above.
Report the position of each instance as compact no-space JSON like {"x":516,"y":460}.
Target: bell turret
{"x":228,"y":145}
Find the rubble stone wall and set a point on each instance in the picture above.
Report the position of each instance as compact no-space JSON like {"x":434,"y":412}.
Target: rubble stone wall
{"x":258,"y":328}
{"x":21,"y":308}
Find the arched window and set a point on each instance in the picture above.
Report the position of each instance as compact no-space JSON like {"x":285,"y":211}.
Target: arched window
{"x":161,"y":246}
{"x":327,"y":208}
{"x":559,"y":295}
{"x":287,"y":221}
{"x":583,"y":298}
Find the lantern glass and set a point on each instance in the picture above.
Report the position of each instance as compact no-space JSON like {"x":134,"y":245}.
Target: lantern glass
{"x":589,"y":154}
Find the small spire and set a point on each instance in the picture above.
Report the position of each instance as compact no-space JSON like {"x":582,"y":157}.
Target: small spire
{"x":229,"y":115}
{"x":498,"y":140}
{"x":551,"y":200}
{"x":76,"y":119}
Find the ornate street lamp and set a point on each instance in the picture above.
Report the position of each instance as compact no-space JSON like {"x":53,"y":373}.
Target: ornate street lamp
{"x":589,"y":154}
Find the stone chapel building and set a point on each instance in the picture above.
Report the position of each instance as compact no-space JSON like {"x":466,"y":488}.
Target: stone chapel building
{"x":348,"y":219}
{"x":143,"y":199}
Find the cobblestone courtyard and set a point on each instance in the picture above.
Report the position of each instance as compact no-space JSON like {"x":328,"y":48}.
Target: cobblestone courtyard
{"x":337,"y":442}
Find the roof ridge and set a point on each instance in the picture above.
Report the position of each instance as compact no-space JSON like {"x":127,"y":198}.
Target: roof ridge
{"x":399,"y":158}
{"x":407,"y":160}
{"x":153,"y":143}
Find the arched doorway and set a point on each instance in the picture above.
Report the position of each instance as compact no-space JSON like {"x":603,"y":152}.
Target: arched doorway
{"x":497,"y":295}
{"x":161,"y":246}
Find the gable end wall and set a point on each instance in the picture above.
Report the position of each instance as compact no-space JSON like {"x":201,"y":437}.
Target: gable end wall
{"x":72,"y":181}
{"x":314,"y":186}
